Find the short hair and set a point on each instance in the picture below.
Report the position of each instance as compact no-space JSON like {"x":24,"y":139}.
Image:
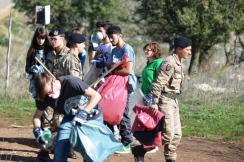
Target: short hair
{"x":114,"y":30}
{"x":155,"y":47}
{"x":78,"y":29}
{"x":104,"y":24}
{"x":40,"y":81}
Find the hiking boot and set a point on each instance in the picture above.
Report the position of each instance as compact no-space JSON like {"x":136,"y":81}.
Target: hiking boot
{"x":139,"y":159}
{"x":43,"y":156}
{"x":170,"y":160}
{"x":125,"y":150}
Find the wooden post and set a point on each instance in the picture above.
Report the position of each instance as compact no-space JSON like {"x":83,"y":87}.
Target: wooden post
{"x":8,"y":52}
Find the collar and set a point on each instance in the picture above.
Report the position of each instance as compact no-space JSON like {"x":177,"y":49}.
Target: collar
{"x":63,"y":51}
{"x":176,"y":59}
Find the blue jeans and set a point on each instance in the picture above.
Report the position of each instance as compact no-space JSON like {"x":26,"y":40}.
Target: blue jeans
{"x":125,"y":124}
{"x":62,"y":146}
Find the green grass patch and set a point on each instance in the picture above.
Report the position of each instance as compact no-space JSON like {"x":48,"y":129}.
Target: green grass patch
{"x":213,"y":120}
{"x":17,"y":112}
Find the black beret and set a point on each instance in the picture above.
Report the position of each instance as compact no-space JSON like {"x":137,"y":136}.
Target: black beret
{"x":55,"y":32}
{"x":182,"y":42}
{"x":77,"y":38}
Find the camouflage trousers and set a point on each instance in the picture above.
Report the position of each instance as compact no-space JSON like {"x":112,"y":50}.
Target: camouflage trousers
{"x":51,"y":119}
{"x":172,"y":134}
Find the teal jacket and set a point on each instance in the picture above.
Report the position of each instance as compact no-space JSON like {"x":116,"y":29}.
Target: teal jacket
{"x":150,"y":73}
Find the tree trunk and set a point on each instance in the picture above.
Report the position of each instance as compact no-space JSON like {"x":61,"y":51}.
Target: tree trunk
{"x":8,"y":53}
{"x":194,"y":63}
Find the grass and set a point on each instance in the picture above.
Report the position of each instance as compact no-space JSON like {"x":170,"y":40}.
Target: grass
{"x":214,"y":120}
{"x":18,"y":111}
{"x":222,"y":119}
{"x":218,"y":120}
{"x":21,"y":37}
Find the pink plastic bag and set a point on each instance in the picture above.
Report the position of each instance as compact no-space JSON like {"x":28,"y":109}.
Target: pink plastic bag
{"x":144,"y":124}
{"x":146,"y":120}
{"x":114,"y":94}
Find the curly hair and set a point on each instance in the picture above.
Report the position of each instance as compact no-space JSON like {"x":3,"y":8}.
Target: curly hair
{"x":157,"y":52}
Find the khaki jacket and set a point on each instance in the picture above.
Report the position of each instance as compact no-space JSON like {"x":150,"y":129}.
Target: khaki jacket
{"x":169,"y":80}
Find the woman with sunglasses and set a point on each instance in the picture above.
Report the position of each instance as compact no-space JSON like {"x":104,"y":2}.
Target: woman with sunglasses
{"x":153,"y":54}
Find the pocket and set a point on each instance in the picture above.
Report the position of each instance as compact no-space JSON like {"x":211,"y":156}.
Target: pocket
{"x":132,"y":82}
{"x":176,"y":80}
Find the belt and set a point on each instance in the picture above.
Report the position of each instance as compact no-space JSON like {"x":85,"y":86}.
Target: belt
{"x":171,"y":95}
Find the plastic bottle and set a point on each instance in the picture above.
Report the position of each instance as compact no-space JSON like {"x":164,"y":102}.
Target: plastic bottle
{"x":47,"y":136}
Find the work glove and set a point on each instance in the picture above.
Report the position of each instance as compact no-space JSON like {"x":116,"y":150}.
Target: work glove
{"x":38,"y":135}
{"x":148,"y":99}
{"x":80,"y":117}
{"x":37,"y":69}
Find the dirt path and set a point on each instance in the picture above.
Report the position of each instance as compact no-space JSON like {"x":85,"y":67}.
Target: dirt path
{"x":17,"y":144}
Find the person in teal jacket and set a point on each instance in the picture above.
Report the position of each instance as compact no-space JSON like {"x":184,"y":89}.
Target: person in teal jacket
{"x":153,"y":54}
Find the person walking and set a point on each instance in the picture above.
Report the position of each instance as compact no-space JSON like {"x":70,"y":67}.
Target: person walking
{"x":153,"y":54}
{"x":165,"y":91}
{"x":124,"y":52}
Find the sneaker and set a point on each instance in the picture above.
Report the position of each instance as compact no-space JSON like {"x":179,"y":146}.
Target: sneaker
{"x":153,"y":150}
{"x":125,"y":150}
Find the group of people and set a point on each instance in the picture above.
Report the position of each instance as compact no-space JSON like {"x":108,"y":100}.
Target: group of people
{"x":64,"y":78}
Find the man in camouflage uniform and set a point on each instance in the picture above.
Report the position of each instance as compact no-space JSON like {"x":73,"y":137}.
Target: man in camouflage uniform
{"x":165,"y":90}
{"x":55,"y":59}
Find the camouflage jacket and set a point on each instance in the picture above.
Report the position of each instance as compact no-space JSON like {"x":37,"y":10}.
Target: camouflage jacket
{"x":55,"y":62}
{"x":169,"y":79}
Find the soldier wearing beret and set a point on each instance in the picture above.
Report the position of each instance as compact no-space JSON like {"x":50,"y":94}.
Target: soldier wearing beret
{"x":72,"y":63}
{"x":165,"y":90}
{"x":55,"y":58}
